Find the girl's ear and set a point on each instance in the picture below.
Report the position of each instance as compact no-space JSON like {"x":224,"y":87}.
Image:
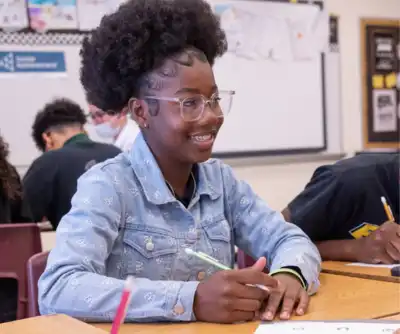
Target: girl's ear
{"x":139,"y":112}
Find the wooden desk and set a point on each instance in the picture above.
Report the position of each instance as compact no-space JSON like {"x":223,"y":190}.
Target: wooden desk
{"x":392,"y":317}
{"x":340,"y":268}
{"x":51,"y":324}
{"x":339,"y":298}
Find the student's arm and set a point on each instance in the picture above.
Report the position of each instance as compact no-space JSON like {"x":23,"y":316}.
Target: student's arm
{"x":334,"y":250}
{"x":313,"y":210}
{"x":261,"y":231}
{"x":20,"y":211}
{"x":320,"y":209}
{"x":38,"y":185}
{"x":74,"y":282}
{"x":339,"y":250}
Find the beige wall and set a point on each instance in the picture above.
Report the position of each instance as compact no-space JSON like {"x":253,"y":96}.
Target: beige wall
{"x":350,"y":13}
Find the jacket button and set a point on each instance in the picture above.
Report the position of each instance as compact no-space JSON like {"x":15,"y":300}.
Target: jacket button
{"x":179,"y":310}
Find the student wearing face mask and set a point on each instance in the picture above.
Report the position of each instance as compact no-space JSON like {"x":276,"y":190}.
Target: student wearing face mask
{"x":117,"y":127}
{"x":50,"y":182}
{"x":135,"y":214}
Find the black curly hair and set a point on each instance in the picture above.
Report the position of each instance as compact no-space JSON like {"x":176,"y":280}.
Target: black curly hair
{"x":137,"y":39}
{"x":9,"y":179}
{"x":56,"y":115}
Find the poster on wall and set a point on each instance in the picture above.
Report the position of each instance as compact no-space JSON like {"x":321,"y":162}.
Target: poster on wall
{"x":90,"y":12}
{"x":385,"y":51}
{"x":20,"y":62}
{"x":52,"y":15}
{"x":333,"y":33}
{"x":380,"y":83}
{"x":13,"y":15}
{"x":384,"y":110}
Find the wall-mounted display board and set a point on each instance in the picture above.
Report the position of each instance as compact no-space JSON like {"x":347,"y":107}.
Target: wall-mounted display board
{"x":381,"y":83}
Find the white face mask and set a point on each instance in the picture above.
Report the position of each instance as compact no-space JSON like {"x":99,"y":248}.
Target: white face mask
{"x":105,"y":130}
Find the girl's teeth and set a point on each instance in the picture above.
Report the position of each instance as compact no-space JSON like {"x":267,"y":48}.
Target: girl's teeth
{"x":202,"y":138}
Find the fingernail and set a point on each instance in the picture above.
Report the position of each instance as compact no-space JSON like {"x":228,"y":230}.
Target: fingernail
{"x":268,"y":316}
{"x":300,"y":312}
{"x":285,"y":315}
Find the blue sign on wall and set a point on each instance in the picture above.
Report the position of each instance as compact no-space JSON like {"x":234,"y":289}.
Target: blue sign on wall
{"x":30,"y":61}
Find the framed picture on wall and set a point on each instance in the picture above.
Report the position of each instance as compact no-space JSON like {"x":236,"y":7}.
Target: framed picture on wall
{"x":381,"y":83}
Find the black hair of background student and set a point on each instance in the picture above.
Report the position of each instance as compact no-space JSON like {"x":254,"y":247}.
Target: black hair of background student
{"x":52,"y":120}
{"x":10,"y":185}
{"x":13,"y":208}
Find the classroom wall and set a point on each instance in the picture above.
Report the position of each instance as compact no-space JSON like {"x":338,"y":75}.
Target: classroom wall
{"x":350,"y":13}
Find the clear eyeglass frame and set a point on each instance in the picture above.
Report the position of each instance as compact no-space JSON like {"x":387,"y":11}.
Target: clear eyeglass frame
{"x":220,"y":103}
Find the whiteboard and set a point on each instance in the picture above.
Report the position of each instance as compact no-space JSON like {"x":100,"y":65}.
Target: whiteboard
{"x":263,"y":117}
{"x":278,"y":105}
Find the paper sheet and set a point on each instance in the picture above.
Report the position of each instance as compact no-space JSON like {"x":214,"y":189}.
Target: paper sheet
{"x":384,"y":110}
{"x":317,"y":327}
{"x":13,"y":15}
{"x":90,"y":12}
{"x":359,"y":264}
{"x":52,"y":14}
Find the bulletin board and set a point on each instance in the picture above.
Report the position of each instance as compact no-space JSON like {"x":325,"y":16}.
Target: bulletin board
{"x":381,"y":83}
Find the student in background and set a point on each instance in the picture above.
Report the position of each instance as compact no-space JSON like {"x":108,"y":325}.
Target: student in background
{"x":136,"y":214}
{"x":340,"y":209}
{"x":13,"y":206}
{"x":13,"y":209}
{"x":51,"y":180}
{"x":118,"y":127}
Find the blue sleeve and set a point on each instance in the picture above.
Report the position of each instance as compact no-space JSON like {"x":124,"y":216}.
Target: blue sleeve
{"x":75,"y":282}
{"x":260,"y":231}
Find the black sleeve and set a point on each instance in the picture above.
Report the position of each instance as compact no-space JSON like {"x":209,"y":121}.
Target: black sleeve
{"x":310,"y":209}
{"x":38,"y":184}
{"x":20,"y":209}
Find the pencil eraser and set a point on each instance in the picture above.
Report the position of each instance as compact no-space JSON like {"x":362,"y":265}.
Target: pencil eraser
{"x":396,"y":271}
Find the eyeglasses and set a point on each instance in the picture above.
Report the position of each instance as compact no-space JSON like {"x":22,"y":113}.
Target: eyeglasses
{"x":192,"y":108}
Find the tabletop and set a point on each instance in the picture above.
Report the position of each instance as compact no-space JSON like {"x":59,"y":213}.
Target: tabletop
{"x":50,"y":324}
{"x":341,"y":268}
{"x":392,"y":317}
{"x":339,"y":298}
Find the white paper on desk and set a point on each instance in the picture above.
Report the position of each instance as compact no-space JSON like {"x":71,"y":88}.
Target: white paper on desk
{"x":307,"y":327}
{"x":359,"y":264}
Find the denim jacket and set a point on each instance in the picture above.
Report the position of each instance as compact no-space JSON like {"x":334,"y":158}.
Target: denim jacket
{"x":124,"y":221}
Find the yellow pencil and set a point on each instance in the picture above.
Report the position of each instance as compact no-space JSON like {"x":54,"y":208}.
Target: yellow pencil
{"x":388,"y":210}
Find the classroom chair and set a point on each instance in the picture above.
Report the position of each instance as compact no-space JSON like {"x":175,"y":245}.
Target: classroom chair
{"x":18,"y":242}
{"x":35,"y":268}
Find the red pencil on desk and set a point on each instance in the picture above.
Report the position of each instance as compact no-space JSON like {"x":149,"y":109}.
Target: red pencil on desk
{"x":123,"y":305}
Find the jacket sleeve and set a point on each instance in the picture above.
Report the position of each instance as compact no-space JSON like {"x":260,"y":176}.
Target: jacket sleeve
{"x":260,"y":231}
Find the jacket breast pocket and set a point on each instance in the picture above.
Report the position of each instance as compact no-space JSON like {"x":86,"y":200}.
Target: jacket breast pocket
{"x":218,"y":234}
{"x":149,"y":253}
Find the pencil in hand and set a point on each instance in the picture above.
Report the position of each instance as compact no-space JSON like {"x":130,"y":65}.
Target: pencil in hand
{"x":388,"y":210}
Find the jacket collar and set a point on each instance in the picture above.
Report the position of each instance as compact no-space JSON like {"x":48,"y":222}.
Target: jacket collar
{"x":152,"y":180}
